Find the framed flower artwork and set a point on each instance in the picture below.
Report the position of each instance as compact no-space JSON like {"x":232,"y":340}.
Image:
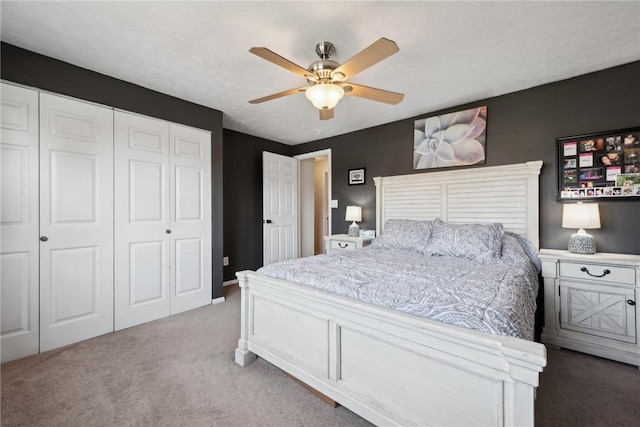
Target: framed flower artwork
{"x":452,"y":139}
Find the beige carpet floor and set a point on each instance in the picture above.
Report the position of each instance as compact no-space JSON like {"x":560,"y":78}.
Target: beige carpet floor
{"x":179,"y":371}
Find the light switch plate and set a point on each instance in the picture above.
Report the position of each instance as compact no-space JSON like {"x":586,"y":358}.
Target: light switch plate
{"x":334,"y":204}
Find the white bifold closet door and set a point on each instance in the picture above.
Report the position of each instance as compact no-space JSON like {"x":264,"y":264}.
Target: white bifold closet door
{"x":60,"y":280}
{"x":190,"y":194}
{"x":142,"y":291}
{"x":76,"y":221}
{"x":19,"y":244}
{"x":163,"y":219}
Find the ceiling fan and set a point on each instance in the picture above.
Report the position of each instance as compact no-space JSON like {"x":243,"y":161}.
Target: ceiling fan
{"x":327,"y":79}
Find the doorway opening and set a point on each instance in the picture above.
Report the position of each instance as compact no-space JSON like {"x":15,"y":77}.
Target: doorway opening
{"x":314,"y":191}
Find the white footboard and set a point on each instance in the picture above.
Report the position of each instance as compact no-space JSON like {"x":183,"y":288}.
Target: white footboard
{"x":388,"y":367}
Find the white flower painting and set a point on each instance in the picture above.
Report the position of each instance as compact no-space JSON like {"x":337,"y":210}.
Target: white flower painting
{"x":454,"y":139}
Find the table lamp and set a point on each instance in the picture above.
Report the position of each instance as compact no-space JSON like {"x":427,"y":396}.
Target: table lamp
{"x":581,"y":215}
{"x":354,"y":213}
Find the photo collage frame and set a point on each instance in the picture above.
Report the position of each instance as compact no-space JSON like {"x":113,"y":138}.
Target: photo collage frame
{"x":603,"y":165}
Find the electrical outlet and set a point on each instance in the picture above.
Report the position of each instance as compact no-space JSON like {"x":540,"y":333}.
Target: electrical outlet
{"x":225,"y":261}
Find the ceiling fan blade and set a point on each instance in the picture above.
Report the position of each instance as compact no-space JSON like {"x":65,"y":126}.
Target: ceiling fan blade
{"x":279,"y":95}
{"x":326,"y":114}
{"x":373,"y":94}
{"x":273,"y":57}
{"x":379,"y":50}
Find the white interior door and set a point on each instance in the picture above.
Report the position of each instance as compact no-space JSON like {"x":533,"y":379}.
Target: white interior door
{"x":142,"y":254}
{"x":76,"y":221}
{"x":280,"y":207}
{"x":19,"y":243}
{"x":190,"y":201}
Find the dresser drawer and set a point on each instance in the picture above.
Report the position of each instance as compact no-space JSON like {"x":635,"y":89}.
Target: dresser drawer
{"x":588,"y":271}
{"x":337,"y":245}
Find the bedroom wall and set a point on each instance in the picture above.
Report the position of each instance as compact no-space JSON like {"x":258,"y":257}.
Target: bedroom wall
{"x":242,"y":158}
{"x":522,"y":126}
{"x":42,"y":72}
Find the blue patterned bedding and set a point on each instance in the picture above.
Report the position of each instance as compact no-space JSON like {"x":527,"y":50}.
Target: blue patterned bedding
{"x":496,"y":297}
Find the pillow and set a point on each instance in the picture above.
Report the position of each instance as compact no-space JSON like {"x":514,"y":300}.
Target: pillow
{"x":405,"y":234}
{"x":530,"y":251}
{"x":473,"y":241}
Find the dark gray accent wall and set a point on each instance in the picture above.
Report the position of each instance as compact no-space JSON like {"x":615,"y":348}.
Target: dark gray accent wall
{"x":45,"y":73}
{"x":243,"y":199}
{"x":522,"y":126}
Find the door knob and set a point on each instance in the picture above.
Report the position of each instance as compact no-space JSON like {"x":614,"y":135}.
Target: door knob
{"x":267,"y":221}
{"x":44,"y":238}
{"x":168,"y":231}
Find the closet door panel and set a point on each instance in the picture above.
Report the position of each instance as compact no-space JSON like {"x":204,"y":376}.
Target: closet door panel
{"x":191,"y":218}
{"x":76,"y":221}
{"x":73,"y":188}
{"x":142,"y":219}
{"x":19,"y":246}
{"x":190,"y":269}
{"x":148,"y":279}
{"x":189,"y":194}
{"x":147,"y":192}
{"x":74,"y":284}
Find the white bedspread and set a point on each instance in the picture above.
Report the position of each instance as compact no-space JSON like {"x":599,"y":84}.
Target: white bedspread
{"x":497,"y":297}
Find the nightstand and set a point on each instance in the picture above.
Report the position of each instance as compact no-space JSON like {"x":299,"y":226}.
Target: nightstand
{"x":344,"y":242}
{"x":590,"y":303}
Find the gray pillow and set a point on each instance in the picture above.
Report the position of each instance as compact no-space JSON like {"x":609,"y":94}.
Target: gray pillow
{"x":407,"y":234}
{"x":473,"y":241}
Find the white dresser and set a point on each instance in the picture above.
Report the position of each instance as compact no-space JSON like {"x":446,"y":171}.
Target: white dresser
{"x":590,"y":303}
{"x":344,"y":242}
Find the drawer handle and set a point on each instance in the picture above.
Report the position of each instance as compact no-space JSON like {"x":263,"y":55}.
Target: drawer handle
{"x":631,"y":302}
{"x":345,"y":245}
{"x":604,"y":272}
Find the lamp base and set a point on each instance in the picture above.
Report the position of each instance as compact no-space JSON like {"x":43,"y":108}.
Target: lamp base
{"x":354,"y":230}
{"x":582,"y":243}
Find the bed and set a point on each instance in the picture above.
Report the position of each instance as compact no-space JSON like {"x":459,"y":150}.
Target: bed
{"x":399,"y":368}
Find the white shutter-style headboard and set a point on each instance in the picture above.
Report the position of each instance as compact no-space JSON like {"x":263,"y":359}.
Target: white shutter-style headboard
{"x":506,"y":194}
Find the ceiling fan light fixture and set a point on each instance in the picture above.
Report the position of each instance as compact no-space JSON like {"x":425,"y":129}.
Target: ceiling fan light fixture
{"x":324,"y":96}
{"x":328,"y":80}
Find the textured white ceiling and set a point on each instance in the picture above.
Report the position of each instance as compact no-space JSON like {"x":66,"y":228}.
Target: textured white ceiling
{"x":450,"y":52}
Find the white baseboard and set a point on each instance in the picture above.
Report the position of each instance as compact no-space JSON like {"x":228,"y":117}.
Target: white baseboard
{"x":218,"y":300}
{"x":227,"y":283}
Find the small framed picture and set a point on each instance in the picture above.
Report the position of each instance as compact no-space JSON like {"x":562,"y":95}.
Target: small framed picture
{"x":356,"y":176}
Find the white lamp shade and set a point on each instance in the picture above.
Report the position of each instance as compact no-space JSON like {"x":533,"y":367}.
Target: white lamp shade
{"x":324,"y":96}
{"x":580,"y":215}
{"x":354,"y":213}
